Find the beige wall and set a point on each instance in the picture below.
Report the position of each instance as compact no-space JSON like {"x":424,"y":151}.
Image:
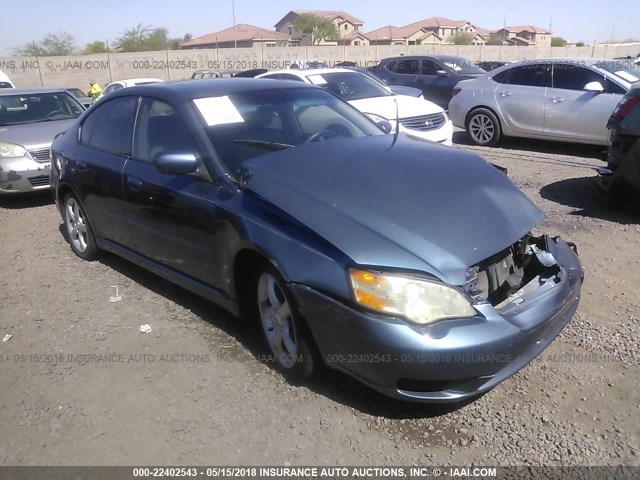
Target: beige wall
{"x":78,"y":70}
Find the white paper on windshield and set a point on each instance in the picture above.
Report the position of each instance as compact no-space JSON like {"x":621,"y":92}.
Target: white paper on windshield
{"x":317,"y":79}
{"x":218,"y":110}
{"x":627,"y":76}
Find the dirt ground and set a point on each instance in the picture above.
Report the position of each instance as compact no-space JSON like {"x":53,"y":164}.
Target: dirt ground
{"x":81,"y":385}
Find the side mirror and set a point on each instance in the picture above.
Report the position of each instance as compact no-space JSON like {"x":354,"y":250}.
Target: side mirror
{"x":594,"y":87}
{"x":178,"y":163}
{"x":441,"y":73}
{"x":384,"y":125}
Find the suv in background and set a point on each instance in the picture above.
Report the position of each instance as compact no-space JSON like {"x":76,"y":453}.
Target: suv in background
{"x":435,"y":75}
{"x":621,"y":177}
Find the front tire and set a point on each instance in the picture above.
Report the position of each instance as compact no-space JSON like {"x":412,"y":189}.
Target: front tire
{"x":284,"y":328}
{"x":79,"y":232}
{"x":484,"y":128}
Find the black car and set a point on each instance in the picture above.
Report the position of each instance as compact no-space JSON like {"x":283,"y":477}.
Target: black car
{"x":435,"y":75}
{"x":621,"y":177}
{"x":372,"y":253}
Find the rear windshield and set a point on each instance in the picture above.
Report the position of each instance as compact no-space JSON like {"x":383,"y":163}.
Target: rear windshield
{"x":349,"y":85}
{"x":39,"y":107}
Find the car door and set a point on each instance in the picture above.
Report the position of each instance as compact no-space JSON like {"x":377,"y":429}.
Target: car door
{"x":435,"y":82}
{"x":521,"y":98}
{"x":98,"y":163}
{"x":172,"y":217}
{"x":575,"y":113}
{"x":402,"y":72}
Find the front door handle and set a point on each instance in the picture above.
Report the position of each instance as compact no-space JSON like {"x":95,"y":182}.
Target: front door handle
{"x":134,"y":183}
{"x":505,"y":94}
{"x":557,"y":99}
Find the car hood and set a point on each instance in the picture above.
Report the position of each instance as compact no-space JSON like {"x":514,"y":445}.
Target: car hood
{"x":386,"y":106}
{"x":408,"y":205}
{"x":31,"y":135}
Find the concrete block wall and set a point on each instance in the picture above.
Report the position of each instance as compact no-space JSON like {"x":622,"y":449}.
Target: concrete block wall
{"x":78,"y":70}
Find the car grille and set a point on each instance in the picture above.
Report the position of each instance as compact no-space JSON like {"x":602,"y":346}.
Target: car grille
{"x":41,"y":155}
{"x":424,"y":122}
{"x":40,"y":181}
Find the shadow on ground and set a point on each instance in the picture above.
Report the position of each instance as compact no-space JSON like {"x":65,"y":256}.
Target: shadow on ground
{"x":539,"y":146}
{"x":330,"y":383}
{"x":26,"y":200}
{"x":584,"y":195}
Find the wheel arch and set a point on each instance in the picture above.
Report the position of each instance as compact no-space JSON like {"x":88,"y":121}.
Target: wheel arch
{"x":485,"y":107}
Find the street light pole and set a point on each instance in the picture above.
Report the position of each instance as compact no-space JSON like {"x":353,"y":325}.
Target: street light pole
{"x":504,"y":22}
{"x":613,"y":30}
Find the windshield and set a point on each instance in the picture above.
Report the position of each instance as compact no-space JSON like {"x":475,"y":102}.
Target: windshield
{"x":249,"y":124}
{"x":349,"y":85}
{"x":624,"y":69}
{"x":38,"y":107}
{"x":76,"y":92}
{"x":461,"y":65}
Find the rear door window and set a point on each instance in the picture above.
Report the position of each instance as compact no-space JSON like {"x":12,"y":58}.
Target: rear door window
{"x":574,"y":77}
{"x":109,"y":127}
{"x":531,"y":75}
{"x":406,"y":67}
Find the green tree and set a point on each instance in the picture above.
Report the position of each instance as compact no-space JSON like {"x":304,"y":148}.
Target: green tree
{"x":145,"y":38}
{"x":579,"y":44}
{"x":174,"y":43}
{"x":462,"y":38}
{"x":320,"y":28}
{"x":495,"y":39}
{"x":95,"y":47}
{"x":53,"y":44}
{"x":558,"y":42}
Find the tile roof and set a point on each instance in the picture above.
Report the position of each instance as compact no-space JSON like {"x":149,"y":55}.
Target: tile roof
{"x":241,"y":32}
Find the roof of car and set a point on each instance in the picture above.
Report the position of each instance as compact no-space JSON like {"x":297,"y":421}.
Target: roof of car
{"x":311,"y":71}
{"x":30,"y":90}
{"x":188,"y":89}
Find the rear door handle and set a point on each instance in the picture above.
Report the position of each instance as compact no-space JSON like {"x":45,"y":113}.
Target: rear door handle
{"x":557,"y":99}
{"x":505,"y":94}
{"x":134,"y":183}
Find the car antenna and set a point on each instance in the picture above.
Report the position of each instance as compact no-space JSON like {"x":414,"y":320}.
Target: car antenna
{"x":395,"y":135}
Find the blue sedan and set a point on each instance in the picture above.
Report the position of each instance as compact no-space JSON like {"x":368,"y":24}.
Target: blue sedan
{"x":408,"y":265}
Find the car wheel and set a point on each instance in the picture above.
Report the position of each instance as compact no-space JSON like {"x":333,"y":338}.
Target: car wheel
{"x":484,"y":128}
{"x":79,"y":232}
{"x":284,"y":329}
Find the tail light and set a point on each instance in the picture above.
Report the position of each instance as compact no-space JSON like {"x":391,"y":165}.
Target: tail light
{"x":625,"y":106}
{"x":456,"y":91}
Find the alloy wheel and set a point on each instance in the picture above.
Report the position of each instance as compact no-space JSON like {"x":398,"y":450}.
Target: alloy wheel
{"x":481,"y":128}
{"x":76,"y":225}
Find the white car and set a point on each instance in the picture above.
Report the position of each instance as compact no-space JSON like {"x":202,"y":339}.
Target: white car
{"x":5,"y":82}
{"x":416,"y":116}
{"x":131,"y":82}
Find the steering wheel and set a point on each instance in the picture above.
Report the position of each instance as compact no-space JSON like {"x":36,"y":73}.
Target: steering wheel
{"x":56,"y":113}
{"x":323,"y":135}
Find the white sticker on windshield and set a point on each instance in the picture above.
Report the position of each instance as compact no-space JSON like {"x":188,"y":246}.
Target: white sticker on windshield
{"x":627,"y":76}
{"x":317,"y":79}
{"x":218,"y":110}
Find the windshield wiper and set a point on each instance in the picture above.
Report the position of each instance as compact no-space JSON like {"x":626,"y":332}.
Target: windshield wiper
{"x":264,"y":145}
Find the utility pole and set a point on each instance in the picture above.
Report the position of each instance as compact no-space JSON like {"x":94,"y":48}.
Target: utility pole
{"x":233,"y":12}
{"x":504,"y":22}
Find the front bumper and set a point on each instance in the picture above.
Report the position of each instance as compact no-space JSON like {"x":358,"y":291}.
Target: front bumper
{"x":450,"y":360}
{"x":20,"y":175}
{"x":442,"y":135}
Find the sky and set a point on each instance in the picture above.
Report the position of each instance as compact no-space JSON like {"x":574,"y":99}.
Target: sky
{"x":24,"y":21}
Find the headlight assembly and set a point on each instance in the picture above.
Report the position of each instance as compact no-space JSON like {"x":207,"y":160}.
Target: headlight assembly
{"x":418,"y":300}
{"x":11,"y":150}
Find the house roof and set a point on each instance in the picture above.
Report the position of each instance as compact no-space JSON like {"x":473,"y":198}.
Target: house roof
{"x":527,"y":28}
{"x":331,"y":15}
{"x":352,"y":35}
{"x":519,"y":40}
{"x":483,"y":32}
{"x":389,"y":32}
{"x":437,"y":22}
{"x":241,"y":32}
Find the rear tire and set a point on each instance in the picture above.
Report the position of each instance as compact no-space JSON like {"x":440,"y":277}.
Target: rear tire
{"x":79,"y":233}
{"x":287,"y":335}
{"x":484,"y":128}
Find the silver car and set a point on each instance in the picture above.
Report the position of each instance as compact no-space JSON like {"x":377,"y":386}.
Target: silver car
{"x":566,"y":99}
{"x":30,"y":118}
